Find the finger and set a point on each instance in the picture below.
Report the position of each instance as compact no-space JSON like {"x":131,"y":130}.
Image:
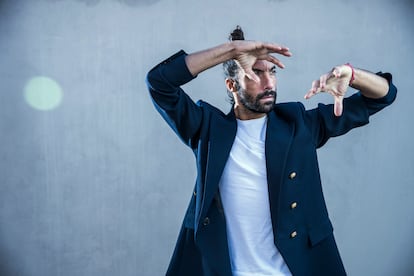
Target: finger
{"x":314,"y":90}
{"x":275,"y":61}
{"x":251,"y":75}
{"x":336,"y":72}
{"x":338,"y":107}
{"x":310,"y":94}
{"x":285,"y":52}
{"x":276,"y":48}
{"x":322,"y":81}
{"x":267,"y":49}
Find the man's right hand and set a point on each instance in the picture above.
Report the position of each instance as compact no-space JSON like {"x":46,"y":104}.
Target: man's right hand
{"x":248,"y":52}
{"x":245,"y":52}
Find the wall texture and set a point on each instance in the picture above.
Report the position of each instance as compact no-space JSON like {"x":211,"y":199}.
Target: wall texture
{"x":93,"y":182}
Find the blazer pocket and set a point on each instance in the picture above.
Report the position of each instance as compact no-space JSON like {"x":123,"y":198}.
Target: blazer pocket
{"x":319,"y":232}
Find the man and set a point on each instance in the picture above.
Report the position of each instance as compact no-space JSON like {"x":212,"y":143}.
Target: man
{"x":257,"y":206}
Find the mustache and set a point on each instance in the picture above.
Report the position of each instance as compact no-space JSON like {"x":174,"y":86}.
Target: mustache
{"x":266,"y":93}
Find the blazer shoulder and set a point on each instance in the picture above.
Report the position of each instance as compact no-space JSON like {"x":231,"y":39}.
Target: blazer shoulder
{"x":290,"y":110}
{"x":210,"y":108}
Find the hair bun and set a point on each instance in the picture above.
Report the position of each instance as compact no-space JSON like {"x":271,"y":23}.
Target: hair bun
{"x":237,"y":34}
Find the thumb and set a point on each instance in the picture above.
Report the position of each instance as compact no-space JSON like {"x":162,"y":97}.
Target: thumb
{"x":338,"y":107}
{"x":251,"y":75}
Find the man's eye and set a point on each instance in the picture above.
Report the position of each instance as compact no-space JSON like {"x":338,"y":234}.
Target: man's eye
{"x":273,"y":71}
{"x":257,"y":71}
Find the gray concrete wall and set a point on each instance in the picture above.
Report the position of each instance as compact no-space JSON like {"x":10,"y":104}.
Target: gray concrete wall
{"x":93,"y":182}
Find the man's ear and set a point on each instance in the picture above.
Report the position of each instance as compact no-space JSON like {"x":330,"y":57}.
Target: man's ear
{"x":232,"y":85}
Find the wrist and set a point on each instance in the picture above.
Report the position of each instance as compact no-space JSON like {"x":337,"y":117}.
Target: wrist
{"x":352,"y":73}
{"x":231,"y":50}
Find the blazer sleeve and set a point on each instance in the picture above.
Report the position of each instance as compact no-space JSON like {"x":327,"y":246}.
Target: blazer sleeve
{"x":181,"y":113}
{"x":357,"y":109}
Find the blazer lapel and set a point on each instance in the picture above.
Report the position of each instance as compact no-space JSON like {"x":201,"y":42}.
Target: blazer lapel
{"x":279,"y":135}
{"x":222,"y":134}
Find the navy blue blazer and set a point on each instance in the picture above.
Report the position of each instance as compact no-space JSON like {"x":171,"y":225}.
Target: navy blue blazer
{"x":304,"y":234}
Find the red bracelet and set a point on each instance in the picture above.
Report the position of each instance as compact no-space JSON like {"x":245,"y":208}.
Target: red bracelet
{"x":353,"y":74}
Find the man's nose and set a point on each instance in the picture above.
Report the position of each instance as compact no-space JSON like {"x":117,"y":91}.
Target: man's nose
{"x":268,"y":81}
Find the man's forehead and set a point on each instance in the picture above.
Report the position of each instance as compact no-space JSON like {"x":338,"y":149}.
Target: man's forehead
{"x":263,"y":64}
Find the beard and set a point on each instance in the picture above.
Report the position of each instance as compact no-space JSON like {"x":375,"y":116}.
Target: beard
{"x":253,"y":103}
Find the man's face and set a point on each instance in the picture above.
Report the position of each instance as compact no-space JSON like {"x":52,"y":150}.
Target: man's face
{"x":259,"y":97}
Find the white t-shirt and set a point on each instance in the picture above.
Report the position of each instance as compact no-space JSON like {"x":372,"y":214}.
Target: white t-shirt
{"x":245,"y":198}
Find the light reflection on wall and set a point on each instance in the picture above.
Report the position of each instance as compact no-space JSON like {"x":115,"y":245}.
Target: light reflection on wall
{"x":43,"y":93}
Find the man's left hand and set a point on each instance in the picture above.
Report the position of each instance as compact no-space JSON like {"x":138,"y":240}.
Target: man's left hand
{"x":336,"y":83}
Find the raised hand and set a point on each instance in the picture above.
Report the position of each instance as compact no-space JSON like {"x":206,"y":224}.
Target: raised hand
{"x":243,"y":51}
{"x":248,"y":52}
{"x":336,"y":83}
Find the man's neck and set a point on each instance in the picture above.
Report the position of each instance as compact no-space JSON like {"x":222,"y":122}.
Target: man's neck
{"x":243,"y":113}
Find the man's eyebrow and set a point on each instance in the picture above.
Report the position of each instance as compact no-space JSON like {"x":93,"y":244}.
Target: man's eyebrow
{"x":273,"y":68}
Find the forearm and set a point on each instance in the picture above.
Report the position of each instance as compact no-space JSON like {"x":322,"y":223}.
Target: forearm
{"x":199,"y":61}
{"x":370,"y":84}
